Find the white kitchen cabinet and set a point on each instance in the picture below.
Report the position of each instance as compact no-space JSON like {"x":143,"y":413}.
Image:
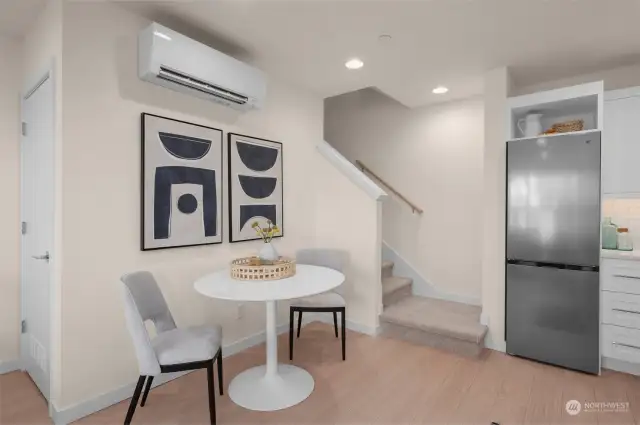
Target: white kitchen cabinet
{"x":620,"y":314}
{"x":621,"y":143}
{"x":621,"y":343}
{"x":620,"y":309}
{"x":620,"y":276}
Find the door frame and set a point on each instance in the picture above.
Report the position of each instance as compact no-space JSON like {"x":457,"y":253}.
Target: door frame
{"x":34,"y":84}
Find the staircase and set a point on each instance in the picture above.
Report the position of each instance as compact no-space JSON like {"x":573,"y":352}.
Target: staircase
{"x":447,"y":325}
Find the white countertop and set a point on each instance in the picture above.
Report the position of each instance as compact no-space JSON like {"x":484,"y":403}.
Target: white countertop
{"x":620,"y":255}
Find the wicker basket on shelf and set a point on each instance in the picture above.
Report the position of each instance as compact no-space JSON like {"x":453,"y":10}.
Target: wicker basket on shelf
{"x":568,"y":126}
{"x":253,"y":268}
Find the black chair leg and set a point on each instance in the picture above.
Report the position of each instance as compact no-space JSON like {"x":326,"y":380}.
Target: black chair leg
{"x":335,"y":322}
{"x":291,"y":314}
{"x":299,"y":322}
{"x":134,"y":400}
{"x":146,"y":391}
{"x":344,"y":336}
{"x":212,"y":394}
{"x":220,"y":382}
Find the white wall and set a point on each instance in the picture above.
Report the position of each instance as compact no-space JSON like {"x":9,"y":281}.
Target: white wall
{"x":433,"y":156}
{"x":615,"y":78}
{"x":497,"y":86}
{"x":103,"y":99}
{"x":356,"y":229}
{"x":11,"y":63}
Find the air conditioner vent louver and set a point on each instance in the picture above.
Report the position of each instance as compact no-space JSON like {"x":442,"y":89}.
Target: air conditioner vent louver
{"x":172,"y":60}
{"x":194,"y":83}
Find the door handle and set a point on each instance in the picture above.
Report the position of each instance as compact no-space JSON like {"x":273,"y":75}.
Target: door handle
{"x":625,"y":345}
{"x":44,"y":257}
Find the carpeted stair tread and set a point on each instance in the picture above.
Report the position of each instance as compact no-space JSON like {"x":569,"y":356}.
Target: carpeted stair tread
{"x":447,"y":318}
{"x":387,"y":269}
{"x":394,"y":283}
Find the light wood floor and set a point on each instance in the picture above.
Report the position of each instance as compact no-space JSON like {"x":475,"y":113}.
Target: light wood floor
{"x":383,"y":381}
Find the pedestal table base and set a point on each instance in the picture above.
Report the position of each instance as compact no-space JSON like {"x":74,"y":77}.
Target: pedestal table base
{"x":254,"y":389}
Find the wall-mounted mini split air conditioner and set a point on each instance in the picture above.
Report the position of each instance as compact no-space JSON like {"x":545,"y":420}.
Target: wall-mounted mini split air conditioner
{"x":172,"y":60}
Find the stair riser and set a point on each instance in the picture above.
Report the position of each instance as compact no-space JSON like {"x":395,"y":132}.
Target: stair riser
{"x":442,"y":342}
{"x":396,"y":296}
{"x":387,"y":271}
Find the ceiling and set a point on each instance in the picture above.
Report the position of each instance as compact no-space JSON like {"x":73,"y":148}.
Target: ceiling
{"x":17,"y":15}
{"x":434,"y":42}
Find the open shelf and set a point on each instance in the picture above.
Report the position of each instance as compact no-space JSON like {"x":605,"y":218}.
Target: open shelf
{"x":582,"y":102}
{"x":548,"y":136}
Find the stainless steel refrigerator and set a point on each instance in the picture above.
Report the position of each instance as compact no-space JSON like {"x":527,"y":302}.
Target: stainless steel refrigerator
{"x":553,"y":250}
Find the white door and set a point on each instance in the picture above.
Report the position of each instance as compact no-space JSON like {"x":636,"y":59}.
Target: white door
{"x":37,"y":192}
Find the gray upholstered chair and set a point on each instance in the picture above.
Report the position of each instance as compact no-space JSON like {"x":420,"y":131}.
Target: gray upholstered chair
{"x":173,"y":349}
{"x":329,"y":302}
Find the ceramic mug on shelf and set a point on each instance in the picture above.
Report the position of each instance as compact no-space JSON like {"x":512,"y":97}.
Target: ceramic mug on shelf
{"x":532,"y":125}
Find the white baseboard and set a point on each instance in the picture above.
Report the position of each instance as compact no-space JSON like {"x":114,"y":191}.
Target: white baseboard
{"x":620,"y":366}
{"x":73,"y":413}
{"x":7,"y":366}
{"x":495,"y":345}
{"x":421,"y":286}
{"x":328,"y":319}
{"x":250,"y":341}
{"x":484,"y":319}
{"x":64,"y":416}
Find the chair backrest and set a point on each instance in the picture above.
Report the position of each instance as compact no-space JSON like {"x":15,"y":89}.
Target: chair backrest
{"x":335,"y":259}
{"x":144,"y":301}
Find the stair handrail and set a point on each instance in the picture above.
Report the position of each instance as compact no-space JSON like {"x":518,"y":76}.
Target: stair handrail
{"x":367,"y":170}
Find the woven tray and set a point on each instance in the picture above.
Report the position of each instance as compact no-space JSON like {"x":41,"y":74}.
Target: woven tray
{"x":568,"y":126}
{"x":253,"y":268}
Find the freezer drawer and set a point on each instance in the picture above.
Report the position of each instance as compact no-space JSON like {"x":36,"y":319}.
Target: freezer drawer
{"x":553,"y":316}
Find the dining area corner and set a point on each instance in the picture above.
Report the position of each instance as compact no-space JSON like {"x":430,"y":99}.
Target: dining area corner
{"x":310,"y":282}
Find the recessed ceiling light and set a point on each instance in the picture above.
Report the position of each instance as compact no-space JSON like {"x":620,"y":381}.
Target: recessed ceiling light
{"x":354,"y":63}
{"x":440,"y":90}
{"x":384,"y":38}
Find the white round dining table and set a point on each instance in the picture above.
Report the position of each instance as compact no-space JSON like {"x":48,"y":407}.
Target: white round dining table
{"x":272,"y":386}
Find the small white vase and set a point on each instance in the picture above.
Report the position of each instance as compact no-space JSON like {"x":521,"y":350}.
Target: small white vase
{"x":268,"y":252}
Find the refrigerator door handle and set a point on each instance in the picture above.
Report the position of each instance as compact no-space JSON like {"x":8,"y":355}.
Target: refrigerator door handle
{"x":625,"y":311}
{"x":557,"y":266}
{"x":620,"y":344}
{"x":627,"y":276}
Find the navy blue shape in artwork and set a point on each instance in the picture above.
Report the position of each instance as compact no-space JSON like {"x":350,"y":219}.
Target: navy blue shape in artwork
{"x":165,"y":177}
{"x":258,"y":187}
{"x":247,"y":212}
{"x":185,"y":147}
{"x":257,"y":158}
{"x":187,"y":203}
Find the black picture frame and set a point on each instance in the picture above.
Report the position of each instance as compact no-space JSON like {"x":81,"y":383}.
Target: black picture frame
{"x":230,"y":190}
{"x":143,"y":117}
